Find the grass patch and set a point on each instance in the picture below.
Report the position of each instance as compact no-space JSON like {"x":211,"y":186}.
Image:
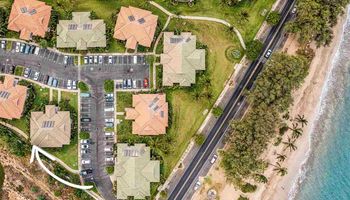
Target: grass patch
{"x":248,"y":27}
{"x":124,"y":100}
{"x":83,"y":87}
{"x":109,"y":86}
{"x":110,"y":170}
{"x":72,"y":97}
{"x":19,"y":70}
{"x":55,"y":96}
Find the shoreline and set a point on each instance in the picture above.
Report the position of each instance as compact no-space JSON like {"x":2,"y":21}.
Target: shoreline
{"x":307,"y":101}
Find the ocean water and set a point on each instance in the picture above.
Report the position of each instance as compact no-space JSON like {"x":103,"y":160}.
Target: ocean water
{"x":325,"y":175}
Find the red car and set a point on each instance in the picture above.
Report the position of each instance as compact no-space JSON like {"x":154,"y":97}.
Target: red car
{"x":145,"y":83}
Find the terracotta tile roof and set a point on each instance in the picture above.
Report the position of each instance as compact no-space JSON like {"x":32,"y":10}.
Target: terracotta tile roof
{"x":150,"y":113}
{"x":51,"y":128}
{"x":12,"y":98}
{"x":30,"y":17}
{"x":181,"y":59}
{"x":135,"y":26}
{"x":81,"y":32}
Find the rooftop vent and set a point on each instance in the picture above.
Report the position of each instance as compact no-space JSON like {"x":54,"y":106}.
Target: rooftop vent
{"x":131,"y":152}
{"x":32,"y":12}
{"x":87,"y":26}
{"x":162,"y":114}
{"x":131,"y":18}
{"x":141,"y":21}
{"x":175,"y":40}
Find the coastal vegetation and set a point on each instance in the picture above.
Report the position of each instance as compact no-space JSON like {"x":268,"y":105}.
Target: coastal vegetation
{"x":269,"y":99}
{"x":315,"y":20}
{"x":2,"y":178}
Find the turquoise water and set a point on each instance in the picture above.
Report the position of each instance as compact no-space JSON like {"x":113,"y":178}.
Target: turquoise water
{"x":326,"y":174}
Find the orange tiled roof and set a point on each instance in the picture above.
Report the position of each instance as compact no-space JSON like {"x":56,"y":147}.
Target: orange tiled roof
{"x":30,"y":17}
{"x":135,"y":25}
{"x":12,"y":98}
{"x":150,"y":113}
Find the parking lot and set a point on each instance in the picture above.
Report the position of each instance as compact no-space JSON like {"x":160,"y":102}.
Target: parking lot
{"x":96,"y":152}
{"x":114,"y":60}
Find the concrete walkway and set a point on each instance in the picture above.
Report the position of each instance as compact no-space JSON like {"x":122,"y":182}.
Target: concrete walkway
{"x":212,"y":19}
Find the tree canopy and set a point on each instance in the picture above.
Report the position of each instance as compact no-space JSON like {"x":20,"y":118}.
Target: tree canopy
{"x":253,"y":49}
{"x":315,"y":18}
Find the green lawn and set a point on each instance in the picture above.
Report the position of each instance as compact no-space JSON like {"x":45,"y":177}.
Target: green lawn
{"x":72,"y":97}
{"x":124,"y":100}
{"x":233,"y":15}
{"x":19,"y":70}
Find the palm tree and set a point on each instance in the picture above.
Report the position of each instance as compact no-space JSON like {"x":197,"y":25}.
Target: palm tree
{"x":290,"y":145}
{"x":280,"y":170}
{"x":260,"y":178}
{"x":301,"y":119}
{"x":197,"y":94}
{"x":281,"y":157}
{"x":296,"y":131}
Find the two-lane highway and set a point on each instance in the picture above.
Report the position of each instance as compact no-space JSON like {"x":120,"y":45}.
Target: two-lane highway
{"x":231,"y":111}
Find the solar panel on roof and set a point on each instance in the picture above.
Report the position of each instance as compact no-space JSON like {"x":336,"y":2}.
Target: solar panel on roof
{"x":24,"y":9}
{"x":156,"y":108}
{"x":4,"y":94}
{"x":72,"y":26}
{"x":131,"y":18}
{"x":87,"y":26}
{"x":48,"y":124}
{"x":175,"y":40}
{"x":141,"y":21}
{"x":32,"y":12}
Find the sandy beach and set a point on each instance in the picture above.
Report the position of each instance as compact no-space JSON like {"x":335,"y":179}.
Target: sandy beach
{"x":306,"y":102}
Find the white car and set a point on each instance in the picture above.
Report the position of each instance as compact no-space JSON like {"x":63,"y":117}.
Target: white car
{"x":268,"y":53}
{"x":69,"y":84}
{"x":100,"y":59}
{"x":85,"y":162}
{"x":84,"y":141}
{"x":74,"y":85}
{"x":84,"y":146}
{"x":3,"y":44}
{"x":36,"y":76}
{"x":95,"y":59}
{"x":91,"y":59}
{"x":213,"y":159}
{"x":109,"y":133}
{"x":134,"y":84}
{"x":108,"y":149}
{"x":197,"y":185}
{"x":109,"y":95}
{"x":109,"y":159}
{"x":109,"y":120}
{"x":37,"y":49}
{"x":86,"y":60}
{"x":65,"y":60}
{"x":17,"y":46}
{"x":110,"y":59}
{"x":84,"y":151}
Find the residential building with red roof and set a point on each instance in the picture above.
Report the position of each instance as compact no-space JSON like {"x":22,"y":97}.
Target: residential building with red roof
{"x":30,"y":18}
{"x":12,"y":98}
{"x":150,"y":114}
{"x":135,"y":26}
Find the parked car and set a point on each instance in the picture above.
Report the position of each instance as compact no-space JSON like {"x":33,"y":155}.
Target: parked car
{"x":145,"y":83}
{"x":3,"y":44}
{"x":268,"y":53}
{"x":129,"y":83}
{"x":109,"y":109}
{"x":18,"y":45}
{"x":91,"y":60}
{"x":85,"y":119}
{"x":37,"y":49}
{"x":100,"y":59}
{"x":85,"y":172}
{"x":95,"y":59}
{"x":74,"y":85}
{"x":69,"y":84}
{"x":109,"y":124}
{"x":46,"y":78}
{"x":54,"y":83}
{"x":213,"y":159}
{"x":27,"y":48}
{"x":135,"y":59}
{"x":108,"y":149}
{"x":36,"y":76}
{"x":65,"y":60}
{"x":134,"y":84}
{"x":49,"y":81}
{"x":109,"y":120}
{"x":109,"y":133}
{"x":110,"y":61}
{"x":86,"y":95}
{"x":125,"y":83}
{"x":26,"y":72}
{"x":86,"y":141}
{"x":197,"y":185}
{"x":86,"y":60}
{"x":84,"y":146}
{"x":85,"y":162}
{"x":22,"y":48}
{"x":31,"y":49}
{"x":109,"y":159}
{"x":84,"y":151}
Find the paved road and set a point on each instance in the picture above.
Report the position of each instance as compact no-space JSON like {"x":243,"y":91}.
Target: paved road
{"x":183,"y":189}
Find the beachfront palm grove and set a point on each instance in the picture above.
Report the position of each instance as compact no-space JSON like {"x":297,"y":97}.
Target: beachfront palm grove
{"x":267,"y":119}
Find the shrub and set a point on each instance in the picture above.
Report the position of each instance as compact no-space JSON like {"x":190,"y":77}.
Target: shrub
{"x":41,"y":197}
{"x":110,"y":170}
{"x":34,"y":189}
{"x":200,"y":138}
{"x":109,"y":86}
{"x":217,"y":111}
{"x":242,"y":198}
{"x":83,"y":87}
{"x":254,"y":48}
{"x":84,"y":135}
{"x":248,"y":188}
{"x":2,"y":178}
{"x":273,"y":18}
